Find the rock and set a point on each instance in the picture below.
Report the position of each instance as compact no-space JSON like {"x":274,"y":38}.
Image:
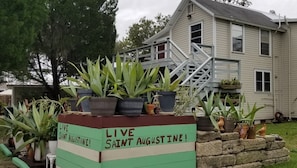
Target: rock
{"x":229,"y":136}
{"x":250,"y":156}
{"x":206,"y":136}
{"x":216,"y":161}
{"x":233,"y":146}
{"x":253,"y":144}
{"x":212,"y":148}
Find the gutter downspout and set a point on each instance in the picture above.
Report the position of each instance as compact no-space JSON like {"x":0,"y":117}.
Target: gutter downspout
{"x":214,"y":48}
{"x":290,"y":105}
{"x":274,"y":70}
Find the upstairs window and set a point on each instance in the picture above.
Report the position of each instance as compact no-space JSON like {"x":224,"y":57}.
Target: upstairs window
{"x":196,"y":33}
{"x":264,"y":42}
{"x":237,"y":38}
{"x":262,"y":81}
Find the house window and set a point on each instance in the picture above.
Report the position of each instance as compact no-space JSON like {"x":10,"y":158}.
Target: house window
{"x":237,"y":38}
{"x":264,"y":42}
{"x":263,"y":81}
{"x":161,"y":51}
{"x":196,"y":33}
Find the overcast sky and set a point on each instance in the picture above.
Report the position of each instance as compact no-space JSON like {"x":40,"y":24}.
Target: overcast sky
{"x":130,"y":11}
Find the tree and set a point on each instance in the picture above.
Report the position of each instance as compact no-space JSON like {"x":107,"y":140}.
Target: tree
{"x":141,"y":31}
{"x":19,"y":23}
{"x":75,"y":29}
{"x":245,"y":3}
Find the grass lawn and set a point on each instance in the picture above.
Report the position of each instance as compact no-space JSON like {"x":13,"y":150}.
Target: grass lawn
{"x":288,"y":131}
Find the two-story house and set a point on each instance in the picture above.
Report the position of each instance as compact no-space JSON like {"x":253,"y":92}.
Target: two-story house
{"x":208,"y":39}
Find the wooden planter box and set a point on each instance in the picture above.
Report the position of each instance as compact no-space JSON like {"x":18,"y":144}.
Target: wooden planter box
{"x":230,"y":87}
{"x":126,"y":142}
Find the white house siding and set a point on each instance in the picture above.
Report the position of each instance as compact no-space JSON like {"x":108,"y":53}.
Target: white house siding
{"x":280,"y":72}
{"x":180,"y":31}
{"x":282,"y":62}
{"x":293,"y":69}
{"x":250,"y":61}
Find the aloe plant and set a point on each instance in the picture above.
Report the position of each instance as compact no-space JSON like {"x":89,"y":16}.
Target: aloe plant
{"x":165,"y":83}
{"x":37,"y":122}
{"x":208,"y":107}
{"x":137,"y":81}
{"x":250,"y":116}
{"x":224,"y":111}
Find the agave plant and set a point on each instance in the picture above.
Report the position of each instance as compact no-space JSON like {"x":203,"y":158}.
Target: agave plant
{"x":37,"y":123}
{"x":165,"y":83}
{"x":136,"y":80}
{"x":208,"y":107}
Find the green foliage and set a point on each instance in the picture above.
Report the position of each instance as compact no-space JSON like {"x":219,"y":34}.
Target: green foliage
{"x":75,"y":30}
{"x":209,"y":106}
{"x":136,"y":80}
{"x":19,"y":24}
{"x":37,"y":121}
{"x":226,"y":112}
{"x":144,"y":29}
{"x":165,"y":83}
{"x":233,"y":81}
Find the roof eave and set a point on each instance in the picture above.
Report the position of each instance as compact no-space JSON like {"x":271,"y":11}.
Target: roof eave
{"x":251,"y":24}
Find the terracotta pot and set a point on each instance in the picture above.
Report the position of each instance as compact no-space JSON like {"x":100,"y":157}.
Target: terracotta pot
{"x":30,"y":152}
{"x":149,"y":108}
{"x":244,"y":128}
{"x":229,"y":125}
{"x":252,"y":132}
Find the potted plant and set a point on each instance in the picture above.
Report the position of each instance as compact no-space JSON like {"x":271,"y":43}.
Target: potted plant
{"x":36,"y":124}
{"x":96,"y":80}
{"x":136,"y":82}
{"x":208,"y":121}
{"x":168,"y":90}
{"x":227,"y":113}
{"x":72,"y":101}
{"x":12,"y":130}
{"x":250,"y":118}
{"x":186,"y":99}
{"x":82,"y":88}
{"x":230,"y":84}
{"x":149,"y":106}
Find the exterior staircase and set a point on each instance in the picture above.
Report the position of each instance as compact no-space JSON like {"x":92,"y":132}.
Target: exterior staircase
{"x":203,"y":70}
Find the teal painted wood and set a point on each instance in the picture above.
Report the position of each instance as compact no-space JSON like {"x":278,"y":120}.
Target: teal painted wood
{"x":83,"y":136}
{"x":174,"y":160}
{"x":119,"y":138}
{"x":65,"y":158}
{"x":5,"y":150}
{"x":19,"y":163}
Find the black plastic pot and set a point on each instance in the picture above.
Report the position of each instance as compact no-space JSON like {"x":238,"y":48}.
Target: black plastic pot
{"x":204,"y":124}
{"x":103,"y":106}
{"x":167,"y":101}
{"x":130,"y":106}
{"x":84,"y":104}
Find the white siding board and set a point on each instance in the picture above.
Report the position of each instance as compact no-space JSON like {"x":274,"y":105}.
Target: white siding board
{"x":180,"y":31}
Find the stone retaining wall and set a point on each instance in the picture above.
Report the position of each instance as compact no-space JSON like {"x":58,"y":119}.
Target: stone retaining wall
{"x":226,"y":150}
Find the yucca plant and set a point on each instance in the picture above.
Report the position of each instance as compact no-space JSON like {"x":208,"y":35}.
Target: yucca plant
{"x":165,"y":82}
{"x":209,"y":107}
{"x":137,"y":81}
{"x":37,"y":123}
